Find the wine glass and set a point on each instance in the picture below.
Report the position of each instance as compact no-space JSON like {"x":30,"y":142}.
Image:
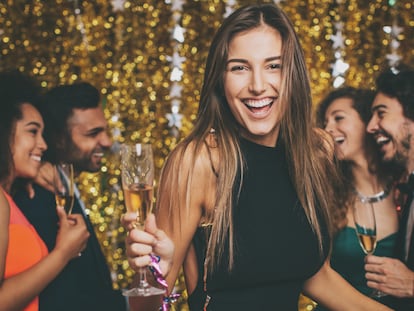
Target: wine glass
{"x":366,"y":230}
{"x":137,"y":172}
{"x":63,"y":183}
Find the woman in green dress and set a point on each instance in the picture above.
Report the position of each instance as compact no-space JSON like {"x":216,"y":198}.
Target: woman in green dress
{"x":344,"y":113}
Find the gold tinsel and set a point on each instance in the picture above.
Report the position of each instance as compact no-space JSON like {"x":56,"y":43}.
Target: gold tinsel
{"x":125,"y":53}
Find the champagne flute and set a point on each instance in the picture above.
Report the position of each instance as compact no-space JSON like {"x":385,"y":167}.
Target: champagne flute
{"x":63,"y":183}
{"x":366,"y":230}
{"x":137,"y":171}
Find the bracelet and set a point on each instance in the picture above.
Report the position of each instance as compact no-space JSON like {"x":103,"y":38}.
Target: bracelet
{"x":156,"y":271}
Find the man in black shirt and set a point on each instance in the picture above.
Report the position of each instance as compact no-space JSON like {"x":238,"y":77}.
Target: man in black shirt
{"x":392,"y":125}
{"x":76,"y":132}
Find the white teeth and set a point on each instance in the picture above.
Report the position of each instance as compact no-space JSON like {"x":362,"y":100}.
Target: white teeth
{"x":36,"y":158}
{"x":98,"y":154}
{"x":382,"y":139}
{"x":339,"y":139}
{"x":258,"y":103}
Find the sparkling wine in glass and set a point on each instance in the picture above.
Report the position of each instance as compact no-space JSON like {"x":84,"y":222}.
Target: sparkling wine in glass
{"x":137,"y":171}
{"x":63,"y":183}
{"x":366,"y":230}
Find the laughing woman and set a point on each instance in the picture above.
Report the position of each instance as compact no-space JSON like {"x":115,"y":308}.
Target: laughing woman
{"x":251,"y":197}
{"x":25,"y":265}
{"x":345,"y":113}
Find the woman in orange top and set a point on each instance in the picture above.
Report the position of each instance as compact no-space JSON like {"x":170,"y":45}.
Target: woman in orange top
{"x":25,"y":265}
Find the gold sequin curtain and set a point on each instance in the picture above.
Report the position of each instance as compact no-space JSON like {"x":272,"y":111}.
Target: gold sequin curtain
{"x":125,"y":47}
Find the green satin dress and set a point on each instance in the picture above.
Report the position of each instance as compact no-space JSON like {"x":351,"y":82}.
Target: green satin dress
{"x":348,"y":257}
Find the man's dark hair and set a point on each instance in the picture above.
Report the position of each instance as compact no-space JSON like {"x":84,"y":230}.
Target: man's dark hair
{"x":56,"y":107}
{"x":399,"y":85}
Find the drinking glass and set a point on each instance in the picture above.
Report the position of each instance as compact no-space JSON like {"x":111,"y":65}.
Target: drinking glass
{"x":366,"y":230}
{"x":137,"y":172}
{"x":63,"y":183}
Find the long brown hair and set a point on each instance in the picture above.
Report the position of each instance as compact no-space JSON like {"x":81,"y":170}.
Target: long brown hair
{"x":307,"y":162}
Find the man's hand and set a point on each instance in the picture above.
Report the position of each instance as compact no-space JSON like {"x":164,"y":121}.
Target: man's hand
{"x":44,"y":178}
{"x":390,"y":276}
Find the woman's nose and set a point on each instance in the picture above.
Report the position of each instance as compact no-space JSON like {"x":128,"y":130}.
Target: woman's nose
{"x":329,"y":127}
{"x":42,"y":144}
{"x":257,"y":83}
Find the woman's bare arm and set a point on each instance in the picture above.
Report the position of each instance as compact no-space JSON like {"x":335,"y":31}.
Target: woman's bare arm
{"x":329,"y":289}
{"x":18,"y":290}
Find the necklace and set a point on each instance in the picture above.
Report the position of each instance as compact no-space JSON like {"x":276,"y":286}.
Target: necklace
{"x":373,"y":198}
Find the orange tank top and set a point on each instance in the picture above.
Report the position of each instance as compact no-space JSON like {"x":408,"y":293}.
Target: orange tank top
{"x":25,"y":247}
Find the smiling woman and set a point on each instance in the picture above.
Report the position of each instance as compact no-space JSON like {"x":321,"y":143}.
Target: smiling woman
{"x":254,"y":188}
{"x":21,"y":128}
{"x":28,"y":145}
{"x":24,"y":258}
{"x":252,"y":82}
{"x":344,"y":113}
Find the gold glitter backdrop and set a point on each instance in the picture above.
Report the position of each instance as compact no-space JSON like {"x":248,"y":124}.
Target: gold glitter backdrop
{"x":127,"y":50}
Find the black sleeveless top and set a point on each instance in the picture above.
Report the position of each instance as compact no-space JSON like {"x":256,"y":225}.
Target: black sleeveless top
{"x":276,"y":249}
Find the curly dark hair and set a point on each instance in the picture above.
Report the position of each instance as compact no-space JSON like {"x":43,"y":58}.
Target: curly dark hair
{"x":399,"y":83}
{"x":361,"y":98}
{"x":15,"y":90}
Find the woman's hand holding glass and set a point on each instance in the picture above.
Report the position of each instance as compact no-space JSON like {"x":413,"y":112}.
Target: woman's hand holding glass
{"x":73,"y":234}
{"x":366,"y":230}
{"x":140,"y":243}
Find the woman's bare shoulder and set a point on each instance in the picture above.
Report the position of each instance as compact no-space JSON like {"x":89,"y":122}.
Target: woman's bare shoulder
{"x":196,"y":157}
